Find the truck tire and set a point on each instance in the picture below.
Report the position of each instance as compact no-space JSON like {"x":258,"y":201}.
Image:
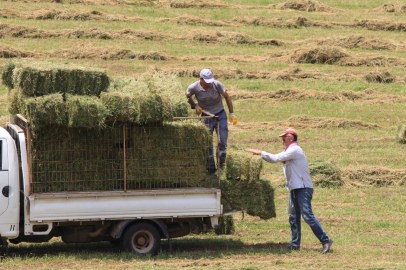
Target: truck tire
{"x":141,"y":238}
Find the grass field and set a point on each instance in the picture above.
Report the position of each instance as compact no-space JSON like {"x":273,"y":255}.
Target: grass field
{"x":333,"y":70}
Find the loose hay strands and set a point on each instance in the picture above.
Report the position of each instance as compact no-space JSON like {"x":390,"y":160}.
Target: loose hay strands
{"x":85,"y":112}
{"x":37,"y":79}
{"x":373,"y":175}
{"x":380,"y":77}
{"x":242,"y":165}
{"x":401,"y":134}
{"x":325,"y":174}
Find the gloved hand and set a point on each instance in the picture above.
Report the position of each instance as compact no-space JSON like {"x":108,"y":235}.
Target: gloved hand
{"x":198,"y":110}
{"x":232,"y":118}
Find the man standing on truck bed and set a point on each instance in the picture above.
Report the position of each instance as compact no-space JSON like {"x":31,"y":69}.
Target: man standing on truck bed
{"x":208,"y":92}
{"x":300,"y":186}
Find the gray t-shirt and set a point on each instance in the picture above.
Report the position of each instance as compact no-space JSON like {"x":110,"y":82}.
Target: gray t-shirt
{"x":209,"y":100}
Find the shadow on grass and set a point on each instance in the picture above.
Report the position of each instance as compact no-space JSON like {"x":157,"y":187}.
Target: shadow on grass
{"x":181,"y":248}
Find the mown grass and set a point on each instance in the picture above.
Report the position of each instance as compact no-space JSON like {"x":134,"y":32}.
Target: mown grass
{"x":366,"y":223}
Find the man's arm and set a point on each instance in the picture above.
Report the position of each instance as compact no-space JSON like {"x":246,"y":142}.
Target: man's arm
{"x":229,"y":102}
{"x":190,"y":101}
{"x":254,"y":151}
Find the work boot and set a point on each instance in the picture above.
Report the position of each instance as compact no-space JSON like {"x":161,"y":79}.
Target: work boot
{"x":211,"y":165}
{"x":292,"y":247}
{"x":326,"y":246}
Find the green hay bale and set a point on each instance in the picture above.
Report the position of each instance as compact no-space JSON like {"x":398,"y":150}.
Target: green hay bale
{"x":255,"y":197}
{"x":85,"y":112}
{"x":45,"y":110}
{"x":242,"y":165}
{"x":37,"y":79}
{"x":325,"y":174}
{"x":14,"y":102}
{"x":226,"y":225}
{"x":401,"y":134}
{"x":7,"y":75}
{"x":148,"y":99}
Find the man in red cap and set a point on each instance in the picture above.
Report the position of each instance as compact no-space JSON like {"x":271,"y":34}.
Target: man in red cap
{"x":300,"y":186}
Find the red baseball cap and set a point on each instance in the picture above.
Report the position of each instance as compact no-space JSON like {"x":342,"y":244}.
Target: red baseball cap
{"x":289,"y":131}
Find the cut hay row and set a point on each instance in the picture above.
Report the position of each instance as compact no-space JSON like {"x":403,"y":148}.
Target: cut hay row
{"x":306,"y":5}
{"x":193,"y":20}
{"x":351,"y":41}
{"x":40,"y":78}
{"x":304,"y":121}
{"x":320,"y":55}
{"x":66,"y":14}
{"x":365,"y":96}
{"x":392,"y":7}
{"x":373,"y":176}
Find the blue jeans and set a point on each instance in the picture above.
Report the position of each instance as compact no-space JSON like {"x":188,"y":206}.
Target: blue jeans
{"x":300,"y":204}
{"x":223,"y":136}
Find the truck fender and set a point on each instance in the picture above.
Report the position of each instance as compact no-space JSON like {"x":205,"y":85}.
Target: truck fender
{"x":117,"y":231}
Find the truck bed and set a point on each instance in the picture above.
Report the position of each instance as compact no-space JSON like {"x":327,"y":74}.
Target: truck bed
{"x":168,"y":203}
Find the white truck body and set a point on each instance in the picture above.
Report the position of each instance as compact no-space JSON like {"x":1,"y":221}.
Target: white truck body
{"x":39,"y":214}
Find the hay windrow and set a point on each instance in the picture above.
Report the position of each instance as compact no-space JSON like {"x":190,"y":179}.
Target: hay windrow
{"x":373,"y":176}
{"x":392,"y":7}
{"x":192,"y":20}
{"x":320,"y":55}
{"x":68,"y":14}
{"x":306,"y":5}
{"x":401,"y":134}
{"x":325,"y":174}
{"x":380,"y":77}
{"x":368,"y":95}
{"x":197,"y":4}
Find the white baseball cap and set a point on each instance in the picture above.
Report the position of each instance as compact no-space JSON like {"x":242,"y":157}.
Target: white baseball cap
{"x":207,"y":75}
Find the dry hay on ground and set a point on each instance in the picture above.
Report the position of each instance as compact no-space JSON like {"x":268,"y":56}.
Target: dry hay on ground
{"x":290,"y":94}
{"x":392,"y":7}
{"x":360,"y":41}
{"x":373,"y":175}
{"x":306,"y":5}
{"x":297,"y":22}
{"x":383,"y":25}
{"x":319,"y":55}
{"x":380,"y":77}
{"x":198,"y":4}
{"x":68,"y":14}
{"x":303,"y":121}
{"x":94,"y":2}
{"x":192,"y":20}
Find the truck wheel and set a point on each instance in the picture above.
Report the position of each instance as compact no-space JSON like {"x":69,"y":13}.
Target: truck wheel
{"x":141,"y":238}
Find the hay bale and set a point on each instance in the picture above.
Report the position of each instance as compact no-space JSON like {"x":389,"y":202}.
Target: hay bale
{"x":380,"y":77}
{"x":325,"y":174}
{"x":45,"y":110}
{"x":7,"y":75}
{"x":148,"y":99}
{"x":242,"y":165}
{"x":85,"y":112}
{"x":14,"y":102}
{"x":37,"y":79}
{"x":401,"y":134}
{"x":254,"y":197}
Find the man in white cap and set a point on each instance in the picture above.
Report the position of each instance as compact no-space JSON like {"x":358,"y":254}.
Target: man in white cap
{"x":300,"y":186}
{"x":208,"y":93}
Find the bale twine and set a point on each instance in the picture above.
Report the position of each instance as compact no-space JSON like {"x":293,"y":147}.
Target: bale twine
{"x":325,"y":174}
{"x":401,"y":134}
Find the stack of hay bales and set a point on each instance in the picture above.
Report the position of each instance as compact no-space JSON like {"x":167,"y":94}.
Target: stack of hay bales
{"x":81,"y":124}
{"x":243,"y":189}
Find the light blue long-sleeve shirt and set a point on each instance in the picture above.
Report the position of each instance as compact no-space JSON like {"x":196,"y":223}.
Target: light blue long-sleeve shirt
{"x":295,"y":166}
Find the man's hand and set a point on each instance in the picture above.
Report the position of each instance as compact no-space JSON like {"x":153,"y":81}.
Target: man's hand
{"x":233,"y":118}
{"x":198,"y":110}
{"x":254,"y":151}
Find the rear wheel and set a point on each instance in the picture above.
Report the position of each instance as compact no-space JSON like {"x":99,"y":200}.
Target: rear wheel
{"x":141,"y":238}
